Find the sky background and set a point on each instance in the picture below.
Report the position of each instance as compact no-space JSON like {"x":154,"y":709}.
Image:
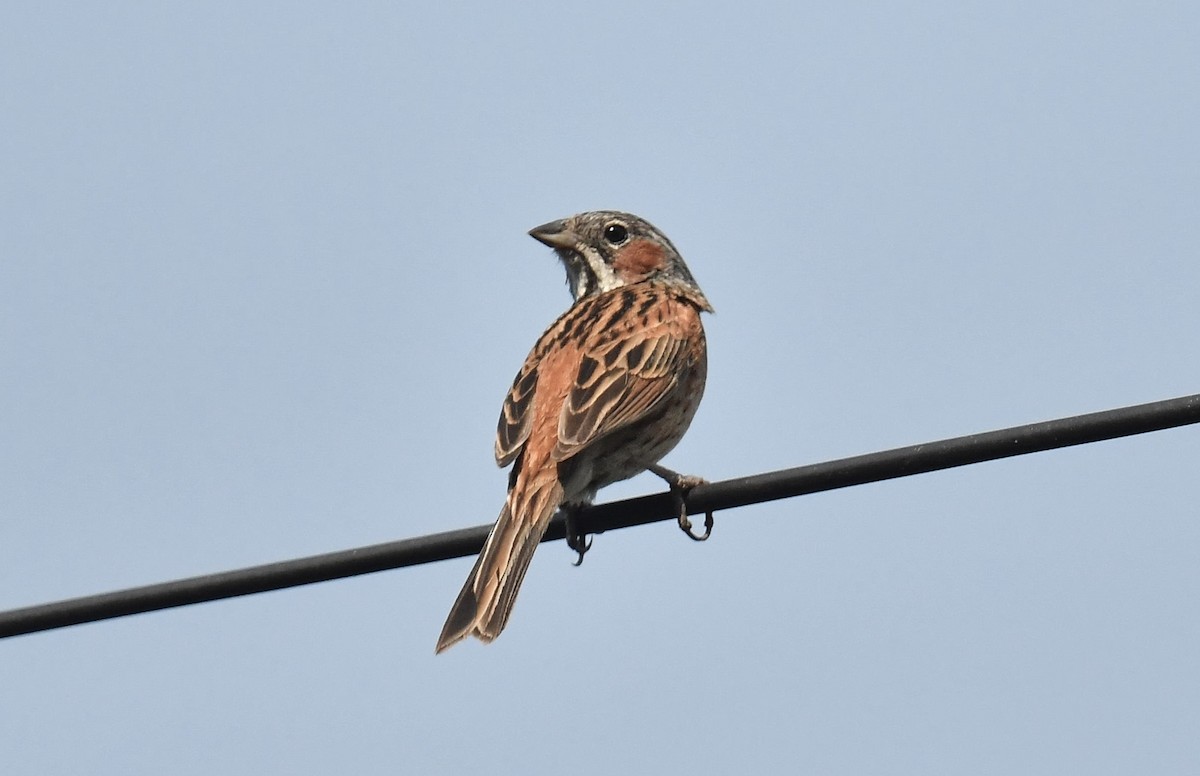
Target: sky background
{"x":265,"y":280}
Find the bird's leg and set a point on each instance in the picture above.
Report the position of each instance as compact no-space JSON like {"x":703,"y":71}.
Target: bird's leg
{"x":680,"y":484}
{"x":576,"y":539}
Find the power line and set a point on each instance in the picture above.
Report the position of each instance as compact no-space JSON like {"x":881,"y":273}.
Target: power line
{"x":755,"y":489}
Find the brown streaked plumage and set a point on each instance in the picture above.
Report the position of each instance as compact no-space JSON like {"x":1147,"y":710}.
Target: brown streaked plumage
{"x":608,"y":390}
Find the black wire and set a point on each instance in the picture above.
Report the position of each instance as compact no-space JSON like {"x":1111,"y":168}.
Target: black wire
{"x":873,"y":467}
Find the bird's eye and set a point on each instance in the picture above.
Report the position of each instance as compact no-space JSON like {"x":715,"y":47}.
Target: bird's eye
{"x":616,"y":233}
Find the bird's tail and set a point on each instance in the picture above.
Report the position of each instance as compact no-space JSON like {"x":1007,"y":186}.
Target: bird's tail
{"x":486,"y":600}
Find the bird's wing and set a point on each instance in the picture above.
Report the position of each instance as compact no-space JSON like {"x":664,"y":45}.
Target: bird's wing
{"x":619,"y":383}
{"x":515,"y":416}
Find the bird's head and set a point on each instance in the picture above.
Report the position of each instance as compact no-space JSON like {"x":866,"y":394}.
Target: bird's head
{"x":606,"y":249}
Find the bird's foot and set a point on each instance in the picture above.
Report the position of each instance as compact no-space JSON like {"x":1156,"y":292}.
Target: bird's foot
{"x":576,"y":539}
{"x":680,"y":484}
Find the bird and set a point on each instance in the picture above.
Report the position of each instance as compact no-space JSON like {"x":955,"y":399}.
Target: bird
{"x":608,"y":390}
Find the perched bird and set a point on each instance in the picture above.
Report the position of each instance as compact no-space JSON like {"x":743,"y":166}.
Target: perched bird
{"x":608,"y":390}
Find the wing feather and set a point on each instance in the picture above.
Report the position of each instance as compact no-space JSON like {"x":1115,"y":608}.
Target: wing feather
{"x":516,"y":416}
{"x":639,"y":373}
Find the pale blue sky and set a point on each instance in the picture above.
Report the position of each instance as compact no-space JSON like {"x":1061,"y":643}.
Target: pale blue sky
{"x":264,"y":281}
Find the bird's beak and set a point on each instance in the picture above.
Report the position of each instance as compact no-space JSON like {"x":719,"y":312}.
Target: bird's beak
{"x":555,"y":234}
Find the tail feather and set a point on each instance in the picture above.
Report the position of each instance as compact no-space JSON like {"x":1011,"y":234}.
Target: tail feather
{"x":486,"y":600}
